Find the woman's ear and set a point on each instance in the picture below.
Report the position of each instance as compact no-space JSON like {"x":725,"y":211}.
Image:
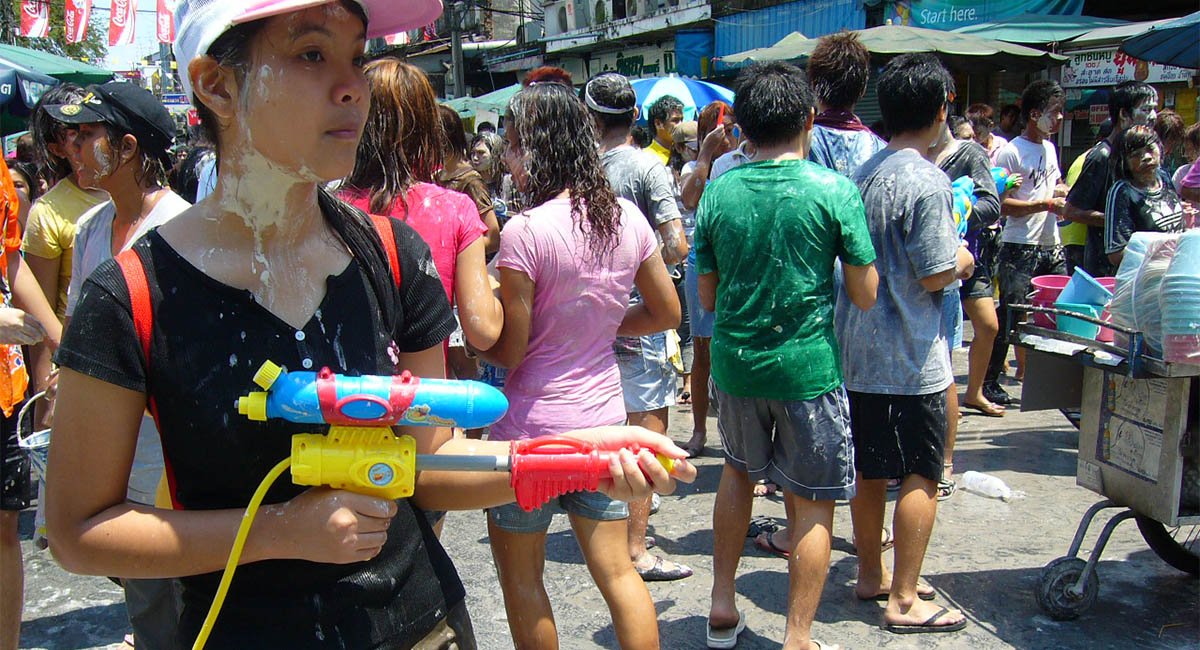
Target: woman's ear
{"x":129,"y":148}
{"x":214,"y":85}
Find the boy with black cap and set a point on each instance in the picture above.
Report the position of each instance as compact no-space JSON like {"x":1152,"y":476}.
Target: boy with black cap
{"x":124,"y":148}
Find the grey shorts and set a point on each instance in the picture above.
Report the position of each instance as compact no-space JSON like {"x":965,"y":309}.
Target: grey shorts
{"x":803,"y":446}
{"x":592,"y":505}
{"x":647,"y":378}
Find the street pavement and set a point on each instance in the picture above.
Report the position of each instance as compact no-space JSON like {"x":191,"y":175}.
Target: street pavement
{"x":985,"y":558}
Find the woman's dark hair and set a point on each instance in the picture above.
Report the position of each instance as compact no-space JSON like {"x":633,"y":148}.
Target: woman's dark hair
{"x":1038,"y":96}
{"x":954,"y":122}
{"x":706,"y":120}
{"x":185,"y":178}
{"x":838,"y":70}
{"x":981,"y":117}
{"x":642,"y":137}
{"x":494,"y":172}
{"x":233,"y":50}
{"x":402,"y":143}
{"x":912,"y":89}
{"x":558,"y":158}
{"x":46,"y":129}
{"x":29,"y":171}
{"x":1191,"y":135}
{"x":1169,"y":127}
{"x":455,"y":136}
{"x":773,"y":102}
{"x":1128,"y":141}
{"x":151,"y":168}
{"x":611,"y":91}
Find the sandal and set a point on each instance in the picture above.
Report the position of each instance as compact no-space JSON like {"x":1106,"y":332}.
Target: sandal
{"x":988,"y":409}
{"x":658,"y":572}
{"x":930,"y":625}
{"x":766,"y":542}
{"x":685,"y":397}
{"x":946,"y":489}
{"x":886,"y":543}
{"x":761,"y":524}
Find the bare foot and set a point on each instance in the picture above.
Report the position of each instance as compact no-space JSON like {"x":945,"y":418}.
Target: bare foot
{"x":864,"y":591}
{"x":695,"y":446}
{"x":766,"y":488}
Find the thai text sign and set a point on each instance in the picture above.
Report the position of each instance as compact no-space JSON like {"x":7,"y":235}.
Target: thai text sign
{"x":1108,"y":67}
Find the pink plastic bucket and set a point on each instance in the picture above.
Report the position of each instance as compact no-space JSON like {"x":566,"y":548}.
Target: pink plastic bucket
{"x":1106,"y":335}
{"x":1045,"y":291}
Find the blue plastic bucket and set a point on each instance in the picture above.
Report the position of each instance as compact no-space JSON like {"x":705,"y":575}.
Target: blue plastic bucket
{"x":1075,"y":326}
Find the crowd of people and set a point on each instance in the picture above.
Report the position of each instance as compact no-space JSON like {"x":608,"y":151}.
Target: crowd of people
{"x":820,"y":271}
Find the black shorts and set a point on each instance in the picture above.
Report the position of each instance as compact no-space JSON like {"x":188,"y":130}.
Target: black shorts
{"x":898,"y":435}
{"x":16,"y":487}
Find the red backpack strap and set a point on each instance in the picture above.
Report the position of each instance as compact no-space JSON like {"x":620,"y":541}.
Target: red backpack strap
{"x":136,"y":282}
{"x":387,"y":236}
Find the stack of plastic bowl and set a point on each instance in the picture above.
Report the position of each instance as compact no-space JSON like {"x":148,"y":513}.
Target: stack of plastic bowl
{"x":1180,"y":299}
{"x":1046,"y":289}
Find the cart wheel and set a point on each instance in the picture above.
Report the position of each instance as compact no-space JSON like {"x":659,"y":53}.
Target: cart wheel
{"x":1054,"y":596}
{"x":1179,"y":546}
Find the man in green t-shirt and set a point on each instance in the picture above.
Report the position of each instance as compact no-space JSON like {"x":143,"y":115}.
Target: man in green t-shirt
{"x":767,"y":236}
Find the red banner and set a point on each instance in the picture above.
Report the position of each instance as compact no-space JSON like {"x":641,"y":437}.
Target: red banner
{"x":166,"y":21}
{"x":35,"y":18}
{"x":122,"y":19}
{"x":77,"y":14}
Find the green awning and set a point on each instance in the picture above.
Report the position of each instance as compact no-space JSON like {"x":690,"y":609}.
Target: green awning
{"x":495,"y":101}
{"x":1038,"y":29}
{"x":52,"y":65}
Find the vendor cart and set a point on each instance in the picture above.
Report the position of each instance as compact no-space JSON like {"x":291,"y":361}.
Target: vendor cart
{"x":1138,"y":446}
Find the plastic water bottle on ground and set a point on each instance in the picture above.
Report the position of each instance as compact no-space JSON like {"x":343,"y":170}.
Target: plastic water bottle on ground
{"x":988,"y":486}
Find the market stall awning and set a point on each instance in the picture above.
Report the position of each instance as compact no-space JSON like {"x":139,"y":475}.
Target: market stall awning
{"x":1038,"y":28}
{"x":963,"y":50}
{"x":1113,"y":35}
{"x":52,"y":65}
{"x":1176,"y":42}
{"x":495,"y":101}
{"x":21,"y":89}
{"x":460,"y":105}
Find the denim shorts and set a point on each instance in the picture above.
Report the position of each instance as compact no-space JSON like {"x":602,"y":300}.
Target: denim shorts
{"x":701,"y":320}
{"x":647,"y":378}
{"x":952,"y":317}
{"x":591,"y":505}
{"x":803,"y":446}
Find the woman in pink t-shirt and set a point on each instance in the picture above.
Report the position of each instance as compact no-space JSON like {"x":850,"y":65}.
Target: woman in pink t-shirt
{"x":567,"y":266}
{"x":400,"y":150}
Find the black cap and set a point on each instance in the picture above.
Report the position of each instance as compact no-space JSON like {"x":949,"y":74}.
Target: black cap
{"x":127,"y":107}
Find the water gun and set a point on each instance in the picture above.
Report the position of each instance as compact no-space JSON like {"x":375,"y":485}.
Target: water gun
{"x":1005,"y":180}
{"x":963,"y":191}
{"x":360,"y":453}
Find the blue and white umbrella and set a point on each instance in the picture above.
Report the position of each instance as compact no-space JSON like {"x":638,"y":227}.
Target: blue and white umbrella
{"x":694,"y":94}
{"x":1175,"y":42}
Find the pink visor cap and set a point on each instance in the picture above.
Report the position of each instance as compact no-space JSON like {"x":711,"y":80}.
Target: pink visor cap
{"x":199,"y":23}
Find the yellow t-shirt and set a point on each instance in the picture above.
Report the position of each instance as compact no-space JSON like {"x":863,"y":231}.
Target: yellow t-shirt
{"x":1074,"y":234}
{"x":50,"y":231}
{"x":657,"y":149}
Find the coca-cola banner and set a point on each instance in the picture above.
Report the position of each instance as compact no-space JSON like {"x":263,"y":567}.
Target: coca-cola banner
{"x":77,"y":14}
{"x":35,"y":18}
{"x":166,"y":20}
{"x":121,"y":21}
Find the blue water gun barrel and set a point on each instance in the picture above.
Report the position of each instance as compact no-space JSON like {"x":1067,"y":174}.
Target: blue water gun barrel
{"x":371,"y":400}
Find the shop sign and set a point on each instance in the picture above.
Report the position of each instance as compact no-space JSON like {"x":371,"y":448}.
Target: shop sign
{"x":1108,"y":67}
{"x":952,"y":14}
{"x":637,"y":62}
{"x":1097,"y":113}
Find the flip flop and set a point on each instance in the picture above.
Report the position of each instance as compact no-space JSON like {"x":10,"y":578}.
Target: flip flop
{"x":946,"y":489}
{"x":888,"y":541}
{"x":990,"y":410}
{"x":927,"y":627}
{"x":761,"y":524}
{"x":766,"y":542}
{"x":685,"y":397}
{"x":658,"y":573}
{"x":726,"y":637}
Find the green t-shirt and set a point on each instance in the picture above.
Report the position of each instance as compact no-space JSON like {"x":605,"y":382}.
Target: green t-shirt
{"x":771,"y":231}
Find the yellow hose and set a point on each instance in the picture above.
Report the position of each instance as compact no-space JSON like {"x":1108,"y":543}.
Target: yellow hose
{"x":235,"y":554}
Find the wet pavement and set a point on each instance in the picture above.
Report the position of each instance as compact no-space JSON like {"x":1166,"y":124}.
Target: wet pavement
{"x":985,"y":557}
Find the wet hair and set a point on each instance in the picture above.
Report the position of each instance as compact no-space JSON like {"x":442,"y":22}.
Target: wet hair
{"x":663,"y":109}
{"x":25,"y":148}
{"x":1106,"y":128}
{"x":706,"y":120}
{"x":454,"y":134}
{"x":981,"y":117}
{"x":912,"y":89}
{"x":548,"y":74}
{"x":495,"y":145}
{"x":612,"y":91}
{"x":956,"y":122}
{"x":29,"y":171}
{"x":642,"y":137}
{"x":402,"y":142}
{"x":233,"y":49}
{"x":151,"y":168}
{"x":1126,"y":95}
{"x":1169,"y":127}
{"x":485,"y":127}
{"x":838,"y":70}
{"x":773,"y":102}
{"x":46,"y":130}
{"x":1038,"y":96}
{"x":1010,"y":110}
{"x":558,"y":158}
{"x":1128,"y":141}
{"x":1191,"y":136}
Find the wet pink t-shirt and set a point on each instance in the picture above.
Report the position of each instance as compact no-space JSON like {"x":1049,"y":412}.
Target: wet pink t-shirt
{"x":569,"y":377}
{"x":448,"y":221}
